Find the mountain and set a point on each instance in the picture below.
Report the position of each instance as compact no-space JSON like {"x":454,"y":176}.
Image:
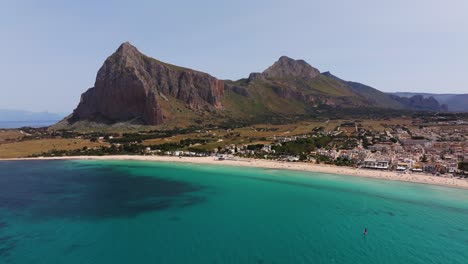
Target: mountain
{"x":419,"y":102}
{"x":132,"y":86}
{"x":134,"y":89}
{"x":288,"y":87}
{"x":454,"y":102}
{"x":394,"y":101}
{"x":286,"y":67}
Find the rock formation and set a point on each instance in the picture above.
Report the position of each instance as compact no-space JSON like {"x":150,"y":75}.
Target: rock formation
{"x":286,"y":67}
{"x":130,"y":86}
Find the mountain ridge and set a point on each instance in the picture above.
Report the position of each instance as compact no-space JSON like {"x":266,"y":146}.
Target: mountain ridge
{"x":131,"y":87}
{"x":394,"y":101}
{"x":454,"y":102}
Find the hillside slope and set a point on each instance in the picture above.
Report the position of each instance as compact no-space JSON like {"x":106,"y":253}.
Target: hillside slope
{"x":393,"y":101}
{"x":373,"y":95}
{"x":288,"y":87}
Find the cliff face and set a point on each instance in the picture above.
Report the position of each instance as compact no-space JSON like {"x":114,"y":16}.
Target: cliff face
{"x":131,"y":86}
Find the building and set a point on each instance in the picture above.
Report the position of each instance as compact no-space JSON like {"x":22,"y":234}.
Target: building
{"x":376,"y":164}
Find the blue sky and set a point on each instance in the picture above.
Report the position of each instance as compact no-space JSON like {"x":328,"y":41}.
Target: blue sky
{"x":51,"y":50}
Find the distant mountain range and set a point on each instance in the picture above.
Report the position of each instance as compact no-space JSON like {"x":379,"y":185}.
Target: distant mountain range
{"x":454,"y":102}
{"x":18,"y":118}
{"x":8,"y":115}
{"x":132,"y":88}
{"x":393,"y":101}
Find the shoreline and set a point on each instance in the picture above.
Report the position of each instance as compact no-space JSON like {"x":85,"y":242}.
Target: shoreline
{"x":270,"y":164}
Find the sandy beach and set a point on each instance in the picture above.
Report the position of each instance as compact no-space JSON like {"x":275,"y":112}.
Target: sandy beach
{"x":299,"y":166}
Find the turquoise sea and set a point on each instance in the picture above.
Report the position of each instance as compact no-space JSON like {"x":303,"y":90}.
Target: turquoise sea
{"x":150,"y":212}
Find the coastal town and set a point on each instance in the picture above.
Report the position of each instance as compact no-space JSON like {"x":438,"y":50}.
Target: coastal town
{"x":440,"y":150}
{"x":437,"y":145}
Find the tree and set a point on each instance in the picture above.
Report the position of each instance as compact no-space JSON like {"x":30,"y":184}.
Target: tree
{"x":303,"y":157}
{"x":463,"y":166}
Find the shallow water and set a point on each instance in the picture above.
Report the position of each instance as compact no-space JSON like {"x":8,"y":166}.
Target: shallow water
{"x":150,"y":212}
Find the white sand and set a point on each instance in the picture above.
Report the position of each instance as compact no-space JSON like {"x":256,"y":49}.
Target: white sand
{"x":257,"y":163}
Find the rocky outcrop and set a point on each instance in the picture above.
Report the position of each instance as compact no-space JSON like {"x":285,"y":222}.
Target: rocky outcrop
{"x":130,"y":86}
{"x":237,"y":89}
{"x":286,"y":67}
{"x":254,"y":76}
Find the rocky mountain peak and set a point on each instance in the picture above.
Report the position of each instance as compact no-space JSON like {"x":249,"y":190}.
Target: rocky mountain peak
{"x":126,"y":50}
{"x":125,"y":55}
{"x":132,"y":86}
{"x":286,"y":67}
{"x":126,"y":47}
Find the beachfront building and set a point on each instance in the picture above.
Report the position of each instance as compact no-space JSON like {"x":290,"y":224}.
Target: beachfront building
{"x":376,"y":164}
{"x":402,"y":166}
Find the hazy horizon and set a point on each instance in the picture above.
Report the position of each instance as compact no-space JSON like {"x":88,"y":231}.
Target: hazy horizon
{"x":52,"y":49}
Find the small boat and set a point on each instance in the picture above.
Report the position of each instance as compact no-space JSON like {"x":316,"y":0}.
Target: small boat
{"x":365,"y":231}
